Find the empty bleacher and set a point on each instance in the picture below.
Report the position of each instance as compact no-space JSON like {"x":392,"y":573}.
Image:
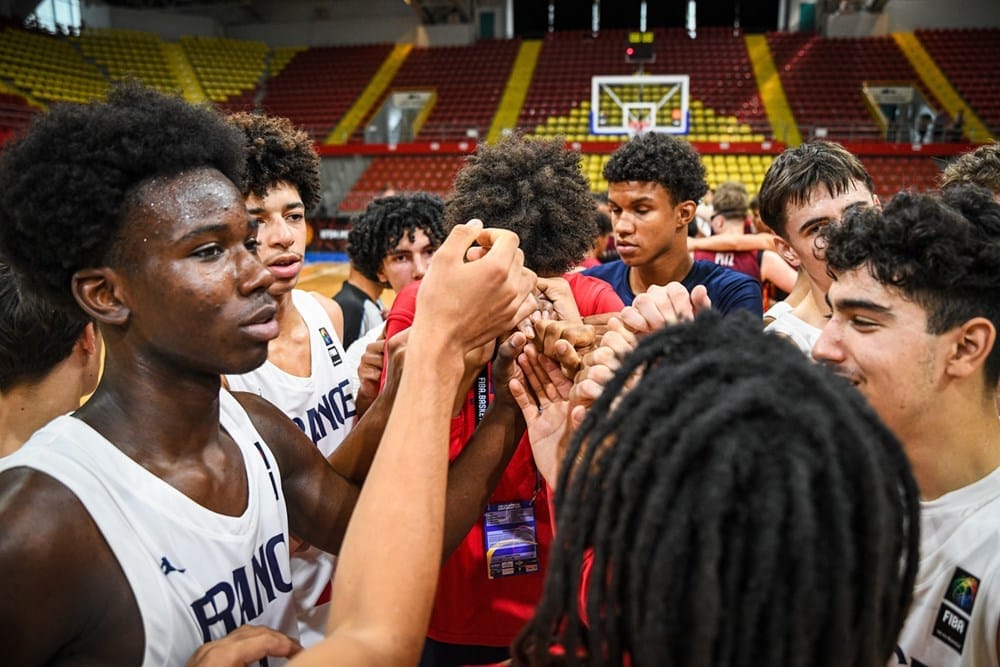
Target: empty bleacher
{"x":127,"y":54}
{"x":468,"y":81}
{"x":725,"y":103}
{"x":823,"y":80}
{"x":965,"y":55}
{"x":318,"y":85}
{"x":48,"y":67}
{"x":403,"y":174}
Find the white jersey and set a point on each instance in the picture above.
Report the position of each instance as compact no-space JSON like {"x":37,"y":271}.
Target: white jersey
{"x":955,"y":614}
{"x":322,"y":405}
{"x":799,"y":332}
{"x":196,"y":575}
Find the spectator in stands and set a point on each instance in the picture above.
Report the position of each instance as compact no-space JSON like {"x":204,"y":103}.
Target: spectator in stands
{"x":914,"y":328}
{"x":672,"y":505}
{"x":50,"y":358}
{"x":805,"y":189}
{"x":729,"y":220}
{"x":979,"y":167}
{"x":305,"y":374}
{"x":360,"y":301}
{"x":654,"y":184}
{"x":536,"y":189}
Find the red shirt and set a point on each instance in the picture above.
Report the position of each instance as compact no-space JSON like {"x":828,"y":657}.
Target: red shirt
{"x":469,"y":607}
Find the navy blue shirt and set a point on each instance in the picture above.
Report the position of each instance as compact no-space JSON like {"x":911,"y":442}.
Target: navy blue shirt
{"x":729,"y":290}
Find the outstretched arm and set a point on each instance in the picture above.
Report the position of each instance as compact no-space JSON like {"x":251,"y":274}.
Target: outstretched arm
{"x":379,"y":612}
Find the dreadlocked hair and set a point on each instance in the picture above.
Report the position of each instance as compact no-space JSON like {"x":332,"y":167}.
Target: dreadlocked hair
{"x":741,"y":506}
{"x":278,"y":152}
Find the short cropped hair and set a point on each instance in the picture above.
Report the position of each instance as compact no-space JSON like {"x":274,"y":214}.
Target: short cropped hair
{"x":278,"y":152}
{"x":796,"y":173}
{"x":659,"y":158}
{"x":725,"y":524}
{"x":731,"y":200}
{"x":534,"y":188}
{"x":34,"y":335}
{"x":979,"y":167}
{"x":66,"y":183}
{"x":385,"y":221}
{"x":940,"y":251}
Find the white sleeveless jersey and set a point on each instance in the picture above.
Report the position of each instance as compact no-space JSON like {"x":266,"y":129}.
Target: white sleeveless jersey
{"x":196,"y":575}
{"x":322,"y":405}
{"x":955,"y":613}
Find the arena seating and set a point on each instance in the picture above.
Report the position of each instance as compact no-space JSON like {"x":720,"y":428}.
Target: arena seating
{"x":469,"y":81}
{"x":226,"y":67}
{"x":725,"y":104}
{"x":48,"y":68}
{"x":128,"y":54}
{"x":318,"y":85}
{"x":823,"y":80}
{"x":964,"y":56}
{"x":892,"y":174}
{"x":402,"y":174}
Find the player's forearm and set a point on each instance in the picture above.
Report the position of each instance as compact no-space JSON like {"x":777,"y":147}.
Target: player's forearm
{"x":477,"y":470}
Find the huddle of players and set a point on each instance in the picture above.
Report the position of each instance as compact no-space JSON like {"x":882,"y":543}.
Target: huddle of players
{"x":705,"y":418}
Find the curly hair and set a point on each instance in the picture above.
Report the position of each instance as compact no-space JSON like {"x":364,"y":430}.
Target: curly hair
{"x":65,"y":183}
{"x":534,"y":188}
{"x":384,"y":222}
{"x":940,"y":251}
{"x":277,"y":151}
{"x":979,"y":167}
{"x":796,"y":173}
{"x":34,"y":335}
{"x":724,"y":523}
{"x":659,"y":158}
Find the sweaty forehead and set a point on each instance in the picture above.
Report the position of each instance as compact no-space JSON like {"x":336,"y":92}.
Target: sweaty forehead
{"x":185,"y":199}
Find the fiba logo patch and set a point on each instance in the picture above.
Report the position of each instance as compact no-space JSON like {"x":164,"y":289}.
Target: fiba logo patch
{"x":953,"y":617}
{"x":962,"y":590}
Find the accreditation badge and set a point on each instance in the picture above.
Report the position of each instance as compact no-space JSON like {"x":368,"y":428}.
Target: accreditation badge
{"x":511,"y":539}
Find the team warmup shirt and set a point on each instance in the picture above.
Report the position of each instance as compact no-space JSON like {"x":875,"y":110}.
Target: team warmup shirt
{"x":470,"y":608}
{"x":955,"y":613}
{"x":729,"y":290}
{"x":322,"y":405}
{"x":196,"y":575}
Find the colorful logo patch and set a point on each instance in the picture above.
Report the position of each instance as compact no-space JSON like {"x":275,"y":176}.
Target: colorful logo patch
{"x":327,"y":340}
{"x":962,"y":590}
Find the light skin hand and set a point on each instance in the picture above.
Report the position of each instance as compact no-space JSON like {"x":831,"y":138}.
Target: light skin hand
{"x":545,"y":404}
{"x":493,"y":279}
{"x":370,"y":374}
{"x":556,"y":292}
{"x":662,"y":305}
{"x":600,"y":365}
{"x":245,"y":645}
{"x":565,"y":343}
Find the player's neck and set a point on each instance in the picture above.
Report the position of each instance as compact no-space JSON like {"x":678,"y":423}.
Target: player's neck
{"x":665,"y":269}
{"x":955,"y":443}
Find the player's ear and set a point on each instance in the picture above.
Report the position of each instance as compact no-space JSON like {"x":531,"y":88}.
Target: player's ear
{"x":972,"y":343}
{"x":786,"y":251}
{"x":685,"y":212}
{"x":98,"y":291}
